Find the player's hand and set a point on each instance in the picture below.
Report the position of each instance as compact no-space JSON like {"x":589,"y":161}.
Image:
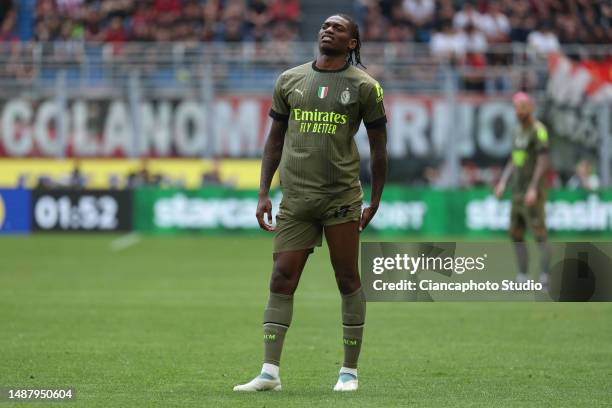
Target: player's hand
{"x":531,"y":196}
{"x":499,"y":189}
{"x":264,"y":206}
{"x":366,"y":216}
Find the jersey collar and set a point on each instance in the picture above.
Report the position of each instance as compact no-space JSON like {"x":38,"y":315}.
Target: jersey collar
{"x":314,"y":66}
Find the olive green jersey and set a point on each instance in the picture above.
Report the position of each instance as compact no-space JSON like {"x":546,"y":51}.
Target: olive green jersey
{"x":527,"y":143}
{"x":323,"y":111}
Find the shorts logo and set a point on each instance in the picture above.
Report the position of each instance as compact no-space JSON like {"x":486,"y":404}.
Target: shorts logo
{"x":345,"y":96}
{"x":322,"y":93}
{"x":342,"y":211}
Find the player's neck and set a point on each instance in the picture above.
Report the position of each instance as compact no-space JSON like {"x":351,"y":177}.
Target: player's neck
{"x":330,"y":62}
{"x":526,"y":124}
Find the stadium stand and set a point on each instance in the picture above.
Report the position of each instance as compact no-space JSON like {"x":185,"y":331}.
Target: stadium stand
{"x":178,"y":50}
{"x":542,"y":24}
{"x":118,"y":21}
{"x":567,"y":22}
{"x":7,"y":21}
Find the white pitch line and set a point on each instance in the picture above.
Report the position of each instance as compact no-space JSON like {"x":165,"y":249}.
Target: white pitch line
{"x":125,"y":241}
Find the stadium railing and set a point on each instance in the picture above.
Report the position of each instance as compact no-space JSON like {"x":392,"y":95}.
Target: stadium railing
{"x":174,"y":68}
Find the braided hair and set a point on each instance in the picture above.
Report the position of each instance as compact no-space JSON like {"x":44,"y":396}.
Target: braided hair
{"x":354,"y":57}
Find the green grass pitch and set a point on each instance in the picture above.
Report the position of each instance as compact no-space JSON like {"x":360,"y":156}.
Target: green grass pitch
{"x":177,"y":322}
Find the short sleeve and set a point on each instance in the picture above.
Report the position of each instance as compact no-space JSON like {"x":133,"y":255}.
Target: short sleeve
{"x":541,"y":141}
{"x":280,"y":107}
{"x":372,"y":106}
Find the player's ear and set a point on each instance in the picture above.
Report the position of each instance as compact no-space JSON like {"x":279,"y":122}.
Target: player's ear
{"x":352,"y":44}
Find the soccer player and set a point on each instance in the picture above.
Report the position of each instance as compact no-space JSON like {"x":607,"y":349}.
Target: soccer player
{"x":316,"y":110}
{"x":525,"y":171}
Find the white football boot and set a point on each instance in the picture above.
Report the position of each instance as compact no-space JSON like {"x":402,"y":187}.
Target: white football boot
{"x":346,"y":382}
{"x":263,"y":382}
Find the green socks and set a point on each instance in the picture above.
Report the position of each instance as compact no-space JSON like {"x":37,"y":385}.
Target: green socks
{"x":353,"y":319}
{"x":277,"y":318}
{"x":522,"y":257}
{"x":545,"y":253}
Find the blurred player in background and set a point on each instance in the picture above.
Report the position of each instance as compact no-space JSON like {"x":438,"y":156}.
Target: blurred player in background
{"x":525,"y":171}
{"x":317,"y":109}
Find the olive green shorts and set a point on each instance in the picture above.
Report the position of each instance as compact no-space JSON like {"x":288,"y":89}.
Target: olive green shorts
{"x":301,"y":218}
{"x":523,"y":217}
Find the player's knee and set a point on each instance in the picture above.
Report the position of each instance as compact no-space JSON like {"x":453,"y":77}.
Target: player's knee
{"x":283,"y":279}
{"x":541,"y":237}
{"x":517,"y":234}
{"x":348,"y":281}
{"x":540,"y":234}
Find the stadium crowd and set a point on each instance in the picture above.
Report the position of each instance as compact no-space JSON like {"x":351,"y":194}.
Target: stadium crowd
{"x":457,"y":31}
{"x":8,"y":19}
{"x":118,"y":21}
{"x":477,"y":35}
{"x":452,"y":27}
{"x":456,"y":27}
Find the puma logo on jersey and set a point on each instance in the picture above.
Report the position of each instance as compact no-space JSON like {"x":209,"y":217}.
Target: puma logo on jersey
{"x":299,"y":91}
